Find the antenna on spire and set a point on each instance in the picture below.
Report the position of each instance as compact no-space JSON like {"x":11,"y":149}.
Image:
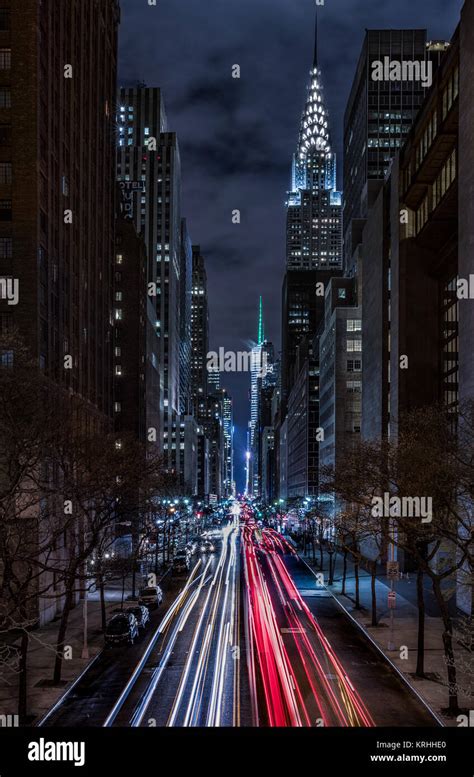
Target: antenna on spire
{"x":261,"y":334}
{"x":315,"y":61}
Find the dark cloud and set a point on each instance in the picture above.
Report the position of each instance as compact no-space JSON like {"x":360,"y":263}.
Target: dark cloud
{"x":237,"y":135}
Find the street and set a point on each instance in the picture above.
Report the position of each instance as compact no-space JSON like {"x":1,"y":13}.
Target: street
{"x":195,"y":680}
{"x":248,"y":639}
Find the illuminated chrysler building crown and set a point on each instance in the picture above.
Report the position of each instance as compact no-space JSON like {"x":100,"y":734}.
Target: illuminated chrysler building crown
{"x":314,"y":215}
{"x":314,"y":132}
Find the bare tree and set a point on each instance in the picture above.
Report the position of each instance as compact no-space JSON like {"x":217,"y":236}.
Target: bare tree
{"x":65,"y":484}
{"x":431,"y":458}
{"x":356,"y":530}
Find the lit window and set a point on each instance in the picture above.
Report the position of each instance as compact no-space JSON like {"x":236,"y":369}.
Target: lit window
{"x":354,"y":325}
{"x":354,"y":345}
{"x":6,"y":358}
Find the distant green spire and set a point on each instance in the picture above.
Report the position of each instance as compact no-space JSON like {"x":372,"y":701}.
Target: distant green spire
{"x":261,"y":331}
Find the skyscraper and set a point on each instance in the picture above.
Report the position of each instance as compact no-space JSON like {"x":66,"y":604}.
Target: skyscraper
{"x":228,"y":424}
{"x":149,"y":167}
{"x":135,"y":411}
{"x":58,"y":192}
{"x":57,"y":217}
{"x":185,"y":303}
{"x":256,"y":365}
{"x":261,"y":375}
{"x":314,"y":228}
{"x":199,"y":330}
{"x":378,"y":118}
{"x":340,"y":349}
{"x":314,"y":215}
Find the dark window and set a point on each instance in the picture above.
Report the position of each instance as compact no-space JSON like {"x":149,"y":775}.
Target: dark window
{"x":6,"y":323}
{"x":4,"y":18}
{"x":5,"y":135}
{"x":5,"y":210}
{"x":5,"y":172}
{"x":5,"y":97}
{"x":5,"y":59}
{"x":6,"y":247}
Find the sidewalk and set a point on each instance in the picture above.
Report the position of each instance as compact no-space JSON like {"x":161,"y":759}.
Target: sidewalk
{"x":42,"y":653}
{"x":433,"y":690}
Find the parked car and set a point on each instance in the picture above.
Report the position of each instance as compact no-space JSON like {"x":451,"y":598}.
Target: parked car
{"x":141,"y":613}
{"x":181,"y":562}
{"x":121,"y":628}
{"x":151,"y":596}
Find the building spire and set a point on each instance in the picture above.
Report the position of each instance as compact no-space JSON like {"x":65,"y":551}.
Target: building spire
{"x":315,"y":60}
{"x":261,"y":332}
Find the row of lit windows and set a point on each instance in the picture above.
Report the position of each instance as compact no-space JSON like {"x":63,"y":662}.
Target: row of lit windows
{"x":437,"y":191}
{"x":451,"y":345}
{"x":444,"y":179}
{"x":384,"y":142}
{"x":376,"y":115}
{"x":451,"y":91}
{"x":422,"y":214}
{"x":387,"y":129}
{"x":427,"y":138}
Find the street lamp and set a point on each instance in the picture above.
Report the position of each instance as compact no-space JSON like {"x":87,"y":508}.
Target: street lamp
{"x":331,"y":552}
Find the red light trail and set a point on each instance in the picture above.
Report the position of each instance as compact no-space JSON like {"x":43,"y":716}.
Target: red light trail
{"x":292,"y":664}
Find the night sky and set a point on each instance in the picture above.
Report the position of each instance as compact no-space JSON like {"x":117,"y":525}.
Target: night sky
{"x":237,"y":136}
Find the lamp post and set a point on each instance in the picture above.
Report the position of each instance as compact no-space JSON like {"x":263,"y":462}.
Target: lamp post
{"x":331,"y":552}
{"x":85,"y":646}
{"x":157,"y":537}
{"x":392,"y":594}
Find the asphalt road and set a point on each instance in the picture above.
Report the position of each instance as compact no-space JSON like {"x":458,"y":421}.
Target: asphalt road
{"x":192,"y":677}
{"x":199,"y":686}
{"x":247,"y":639}
{"x":91,"y":699}
{"x":385,"y":695}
